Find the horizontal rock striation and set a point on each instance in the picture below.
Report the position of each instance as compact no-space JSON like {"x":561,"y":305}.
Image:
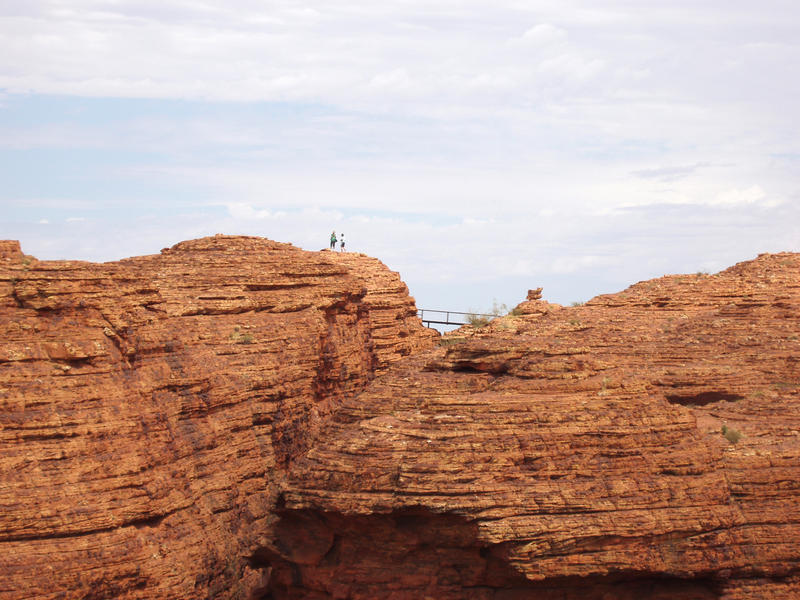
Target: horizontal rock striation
{"x":643,"y":445}
{"x":149,"y":408}
{"x":237,"y":418}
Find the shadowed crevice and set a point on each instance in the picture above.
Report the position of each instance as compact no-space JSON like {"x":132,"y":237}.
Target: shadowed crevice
{"x":703,"y":398}
{"x":416,"y":553}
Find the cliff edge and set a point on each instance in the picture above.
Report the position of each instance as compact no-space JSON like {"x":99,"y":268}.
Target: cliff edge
{"x":151,"y":407}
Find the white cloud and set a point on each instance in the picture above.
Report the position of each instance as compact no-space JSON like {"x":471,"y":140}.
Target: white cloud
{"x":339,"y":51}
{"x":240,"y":210}
{"x":572,"y":264}
{"x":543,"y":34}
{"x":572,"y":66}
{"x":397,"y":80}
{"x":734,"y":197}
{"x":671,"y":173}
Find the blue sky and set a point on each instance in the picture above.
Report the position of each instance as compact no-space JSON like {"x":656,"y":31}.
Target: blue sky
{"x":479,"y":149}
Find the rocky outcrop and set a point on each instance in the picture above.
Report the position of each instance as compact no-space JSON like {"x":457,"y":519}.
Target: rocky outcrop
{"x":237,"y":418}
{"x":149,"y":408}
{"x":643,"y":445}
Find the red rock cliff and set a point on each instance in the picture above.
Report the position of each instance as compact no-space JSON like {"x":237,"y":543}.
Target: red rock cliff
{"x":149,"y":407}
{"x":236,"y":418}
{"x":644,"y":445}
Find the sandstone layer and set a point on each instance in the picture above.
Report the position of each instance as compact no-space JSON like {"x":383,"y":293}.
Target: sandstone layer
{"x":149,"y":408}
{"x":643,"y":445}
{"x":237,"y":418}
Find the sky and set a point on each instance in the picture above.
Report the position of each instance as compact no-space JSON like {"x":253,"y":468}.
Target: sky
{"x":479,"y":148}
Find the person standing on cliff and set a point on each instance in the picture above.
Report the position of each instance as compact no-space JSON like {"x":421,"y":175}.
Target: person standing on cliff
{"x":341,"y":242}
{"x":333,"y":240}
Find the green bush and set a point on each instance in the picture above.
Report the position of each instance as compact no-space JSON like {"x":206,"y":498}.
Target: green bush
{"x":478,"y":321}
{"x":497,"y":310}
{"x":732,"y":435}
{"x":237,"y":337}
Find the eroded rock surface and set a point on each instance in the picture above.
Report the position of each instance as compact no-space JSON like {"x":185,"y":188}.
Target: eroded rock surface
{"x":643,"y":445}
{"x":237,"y":418}
{"x":149,"y":407}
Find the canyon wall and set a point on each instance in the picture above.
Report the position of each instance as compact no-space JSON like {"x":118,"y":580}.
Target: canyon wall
{"x":149,"y":408}
{"x":643,"y":445}
{"x":236,"y":418}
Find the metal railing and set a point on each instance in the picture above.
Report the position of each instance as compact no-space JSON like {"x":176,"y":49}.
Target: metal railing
{"x":450,"y":317}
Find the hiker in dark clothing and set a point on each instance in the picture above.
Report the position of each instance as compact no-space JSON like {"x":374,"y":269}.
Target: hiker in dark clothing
{"x":333,"y":240}
{"x":341,"y":242}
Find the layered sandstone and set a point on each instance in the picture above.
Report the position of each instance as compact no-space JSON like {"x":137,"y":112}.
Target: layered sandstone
{"x":237,"y":418}
{"x":150,"y":407}
{"x":643,"y":445}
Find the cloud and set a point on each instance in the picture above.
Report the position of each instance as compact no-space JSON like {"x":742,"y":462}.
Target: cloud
{"x":542,"y":34}
{"x":748,"y":196}
{"x":240,"y":210}
{"x":667,"y":174}
{"x":573,"y":66}
{"x":576,"y":79}
{"x":345,"y":53}
{"x":396,"y":80}
{"x":572,"y":264}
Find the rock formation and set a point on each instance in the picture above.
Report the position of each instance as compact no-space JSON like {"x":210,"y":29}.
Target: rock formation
{"x":149,"y":407}
{"x":644,"y":445}
{"x":237,"y":418}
